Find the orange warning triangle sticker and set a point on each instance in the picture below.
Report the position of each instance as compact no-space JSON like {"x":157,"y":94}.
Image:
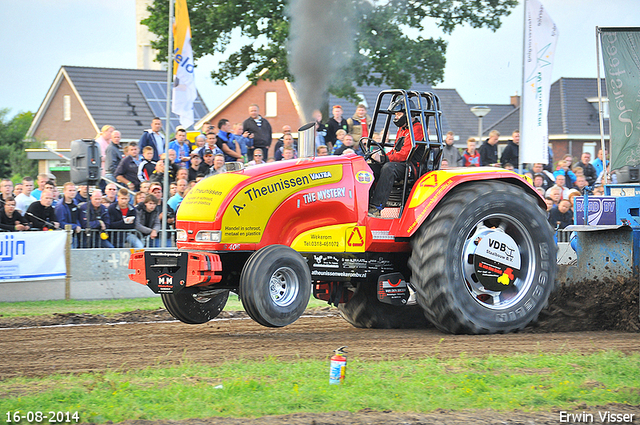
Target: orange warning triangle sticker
{"x":430,"y":181}
{"x":355,"y":238}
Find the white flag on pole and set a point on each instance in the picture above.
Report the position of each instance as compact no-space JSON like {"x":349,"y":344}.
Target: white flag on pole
{"x":184,"y":85}
{"x":541,"y":36}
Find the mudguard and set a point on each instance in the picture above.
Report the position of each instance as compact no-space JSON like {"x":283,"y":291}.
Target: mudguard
{"x":432,"y":187}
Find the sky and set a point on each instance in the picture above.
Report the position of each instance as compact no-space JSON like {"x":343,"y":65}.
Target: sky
{"x":484,"y":66}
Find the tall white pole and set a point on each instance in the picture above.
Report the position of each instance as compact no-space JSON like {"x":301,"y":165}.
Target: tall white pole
{"x":524,"y":44}
{"x":167,"y":130}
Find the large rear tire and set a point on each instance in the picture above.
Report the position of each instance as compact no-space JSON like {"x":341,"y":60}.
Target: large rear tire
{"x":450,"y":268}
{"x":275,"y":286}
{"x":364,"y":310}
{"x":195,"y":305}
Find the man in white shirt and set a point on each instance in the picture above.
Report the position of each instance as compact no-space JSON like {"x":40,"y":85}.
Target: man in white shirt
{"x":25,"y":199}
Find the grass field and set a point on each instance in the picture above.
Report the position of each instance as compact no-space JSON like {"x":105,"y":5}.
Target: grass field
{"x":258,"y":388}
{"x":105,"y":307}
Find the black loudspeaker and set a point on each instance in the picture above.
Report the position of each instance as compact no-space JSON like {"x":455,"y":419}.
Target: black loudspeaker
{"x":85,"y":162}
{"x":627,"y":174}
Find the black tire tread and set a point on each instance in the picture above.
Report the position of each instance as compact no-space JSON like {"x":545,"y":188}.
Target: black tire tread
{"x":429,"y":264}
{"x":183,"y":307}
{"x":364,"y":310}
{"x":253,"y":275}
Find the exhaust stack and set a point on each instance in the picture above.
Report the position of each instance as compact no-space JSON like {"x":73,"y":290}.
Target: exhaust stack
{"x":307,"y":140}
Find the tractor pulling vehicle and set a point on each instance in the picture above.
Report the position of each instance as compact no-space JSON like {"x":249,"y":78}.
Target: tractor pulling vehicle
{"x":468,"y":250}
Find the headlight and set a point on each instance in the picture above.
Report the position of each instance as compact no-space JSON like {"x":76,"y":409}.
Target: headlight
{"x":181,"y":235}
{"x":208,"y":236}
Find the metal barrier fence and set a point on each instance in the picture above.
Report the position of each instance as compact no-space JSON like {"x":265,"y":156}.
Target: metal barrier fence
{"x":119,"y":238}
{"x":563,"y":236}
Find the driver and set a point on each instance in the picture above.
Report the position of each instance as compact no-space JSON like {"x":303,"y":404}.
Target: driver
{"x":392,"y":166}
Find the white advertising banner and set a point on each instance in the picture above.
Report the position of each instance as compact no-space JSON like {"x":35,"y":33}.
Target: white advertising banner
{"x":541,"y":36}
{"x":32,"y":255}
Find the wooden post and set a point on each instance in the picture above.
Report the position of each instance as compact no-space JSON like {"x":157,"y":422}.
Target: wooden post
{"x":67,"y":258}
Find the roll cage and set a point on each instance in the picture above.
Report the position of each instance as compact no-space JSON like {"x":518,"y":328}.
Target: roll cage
{"x":425,"y":155}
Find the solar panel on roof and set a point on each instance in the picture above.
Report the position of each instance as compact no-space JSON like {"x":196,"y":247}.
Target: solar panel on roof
{"x":155,"y":94}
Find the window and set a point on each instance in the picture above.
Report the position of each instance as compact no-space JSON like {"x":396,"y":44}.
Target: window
{"x":605,"y":106}
{"x":271,"y":104}
{"x":66,"y":107}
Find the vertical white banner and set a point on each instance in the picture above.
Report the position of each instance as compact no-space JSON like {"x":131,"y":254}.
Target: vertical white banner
{"x":541,"y":36}
{"x":184,"y":84}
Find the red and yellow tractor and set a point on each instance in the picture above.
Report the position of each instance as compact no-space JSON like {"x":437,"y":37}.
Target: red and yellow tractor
{"x":466,"y":249}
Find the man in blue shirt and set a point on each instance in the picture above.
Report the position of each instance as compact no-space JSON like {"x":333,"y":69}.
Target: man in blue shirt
{"x":153,"y":138}
{"x":182,"y":148}
{"x":225,"y":142}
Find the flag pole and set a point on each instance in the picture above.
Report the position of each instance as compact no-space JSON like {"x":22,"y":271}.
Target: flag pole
{"x":167,"y":131}
{"x":600,"y":113}
{"x":524,"y":44}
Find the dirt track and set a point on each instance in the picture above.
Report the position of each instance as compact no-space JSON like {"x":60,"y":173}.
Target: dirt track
{"x":41,"y":351}
{"x":606,"y":316}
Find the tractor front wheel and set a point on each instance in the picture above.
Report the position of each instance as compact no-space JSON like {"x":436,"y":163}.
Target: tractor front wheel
{"x":195,"y":305}
{"x":275,"y":286}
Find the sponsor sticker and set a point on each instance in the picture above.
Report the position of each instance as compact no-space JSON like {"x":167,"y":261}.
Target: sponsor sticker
{"x":364,"y":177}
{"x":497,"y":261}
{"x":393,"y":289}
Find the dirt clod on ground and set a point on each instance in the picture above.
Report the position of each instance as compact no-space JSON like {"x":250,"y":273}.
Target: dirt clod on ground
{"x":607,"y":305}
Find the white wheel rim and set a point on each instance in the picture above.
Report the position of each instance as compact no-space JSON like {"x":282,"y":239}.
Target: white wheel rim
{"x":495,"y":300}
{"x":284,"y":286}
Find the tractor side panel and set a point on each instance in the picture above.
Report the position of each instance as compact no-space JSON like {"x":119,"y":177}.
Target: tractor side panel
{"x":252,"y":208}
{"x":324,"y":217}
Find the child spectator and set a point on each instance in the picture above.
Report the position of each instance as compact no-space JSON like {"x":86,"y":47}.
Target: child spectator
{"x":471,"y":157}
{"x":288,"y":152}
{"x":242,"y":138}
{"x":147,"y":165}
{"x":338,"y":140}
{"x":147,"y":220}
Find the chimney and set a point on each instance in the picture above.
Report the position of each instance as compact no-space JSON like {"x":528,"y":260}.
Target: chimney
{"x":515,"y":100}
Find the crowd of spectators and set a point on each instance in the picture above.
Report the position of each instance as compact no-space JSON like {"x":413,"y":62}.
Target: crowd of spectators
{"x":125,"y":208}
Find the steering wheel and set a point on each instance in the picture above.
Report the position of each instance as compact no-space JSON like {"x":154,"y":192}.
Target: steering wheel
{"x":378,"y":148}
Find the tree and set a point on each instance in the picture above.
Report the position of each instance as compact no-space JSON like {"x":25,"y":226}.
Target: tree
{"x":13,"y":159}
{"x":387,"y":45}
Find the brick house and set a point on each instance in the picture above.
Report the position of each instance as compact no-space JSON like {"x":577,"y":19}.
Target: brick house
{"x":82,"y":99}
{"x":277,"y":101}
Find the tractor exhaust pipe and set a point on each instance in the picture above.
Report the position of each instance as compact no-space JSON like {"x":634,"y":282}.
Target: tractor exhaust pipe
{"x":307,"y":140}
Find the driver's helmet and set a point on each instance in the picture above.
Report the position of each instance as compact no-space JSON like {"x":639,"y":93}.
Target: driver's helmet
{"x":397,"y":104}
